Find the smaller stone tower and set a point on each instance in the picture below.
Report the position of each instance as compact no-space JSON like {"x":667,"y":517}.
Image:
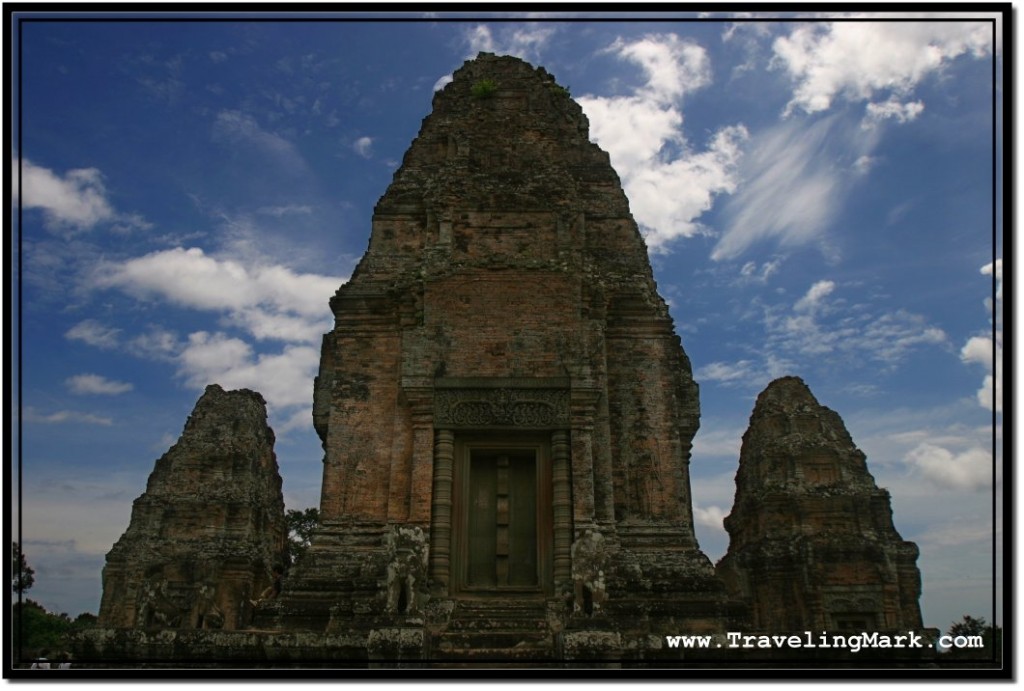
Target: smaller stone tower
{"x":208,"y":531}
{"x":812,"y":543}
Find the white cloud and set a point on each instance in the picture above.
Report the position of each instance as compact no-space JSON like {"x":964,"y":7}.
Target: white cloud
{"x":96,"y":384}
{"x":813,"y":164}
{"x":750,"y":271}
{"x":480,"y":39}
{"x":285,"y":210}
{"x":267,"y":302}
{"x":979,"y":350}
{"x":78,"y":200}
{"x":893,"y":108}
{"x":73,"y":203}
{"x":987,"y":350}
{"x":717,"y":442}
{"x":156,"y":343}
{"x":271,"y":301}
{"x":741,"y":372}
{"x":443,"y":82}
{"x":207,"y":357}
{"x":971,"y":469}
{"x":996,"y":268}
{"x":673,"y":67}
{"x":864,"y":164}
{"x":711,"y":516}
{"x":93,"y":333}
{"x":667,"y":192}
{"x":522,"y":41}
{"x":811,"y":329}
{"x":284,"y":379}
{"x":814,"y":297}
{"x":857,"y":59}
{"x":63,"y":416}
{"x":363,"y":147}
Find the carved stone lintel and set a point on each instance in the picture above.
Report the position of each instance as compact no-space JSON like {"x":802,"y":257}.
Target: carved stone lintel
{"x":527,"y":408}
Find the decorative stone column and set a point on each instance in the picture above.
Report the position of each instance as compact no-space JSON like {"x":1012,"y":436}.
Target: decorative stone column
{"x":441,"y":525}
{"x":561,"y":506}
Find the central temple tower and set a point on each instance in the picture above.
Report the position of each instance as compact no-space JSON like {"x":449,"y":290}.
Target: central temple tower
{"x":505,"y":408}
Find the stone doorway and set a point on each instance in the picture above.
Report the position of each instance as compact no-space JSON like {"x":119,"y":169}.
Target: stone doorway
{"x":503,"y":529}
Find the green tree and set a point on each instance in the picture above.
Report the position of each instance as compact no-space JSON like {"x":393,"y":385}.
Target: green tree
{"x":301,"y":526}
{"x":991,"y":636}
{"x":35,"y":630}
{"x":85,"y":620}
{"x":968,"y":626}
{"x":22,"y":575}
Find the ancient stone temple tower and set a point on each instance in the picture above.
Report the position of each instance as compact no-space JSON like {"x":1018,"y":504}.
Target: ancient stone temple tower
{"x":208,"y":531}
{"x":812,"y":542}
{"x":505,"y":408}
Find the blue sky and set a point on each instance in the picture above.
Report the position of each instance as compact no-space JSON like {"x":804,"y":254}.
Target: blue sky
{"x":817,"y":196}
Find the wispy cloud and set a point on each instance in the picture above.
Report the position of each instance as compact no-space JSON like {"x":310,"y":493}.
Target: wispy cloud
{"x":822,"y":329}
{"x":285,"y":210}
{"x":94,"y":333}
{"x":164,"y":79}
{"x":64,"y":416}
{"x":241,"y":129}
{"x":816,"y":327}
{"x":818,"y":152}
{"x":726,"y":373}
{"x":814,"y":297}
{"x":96,"y":384}
{"x":523,"y":41}
{"x":809,"y":165}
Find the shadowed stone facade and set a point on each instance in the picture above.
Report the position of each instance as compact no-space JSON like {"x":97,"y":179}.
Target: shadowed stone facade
{"x":812,"y":542}
{"x":207,"y":532}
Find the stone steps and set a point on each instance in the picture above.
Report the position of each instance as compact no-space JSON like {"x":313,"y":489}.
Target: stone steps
{"x":503,"y":631}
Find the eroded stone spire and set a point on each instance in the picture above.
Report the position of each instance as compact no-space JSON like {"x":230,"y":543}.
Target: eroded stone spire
{"x":812,"y":541}
{"x":208,"y":531}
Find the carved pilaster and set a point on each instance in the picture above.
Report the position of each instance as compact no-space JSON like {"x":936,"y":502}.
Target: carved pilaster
{"x":561,"y":506}
{"x":441,"y":526}
{"x":583,"y":405}
{"x":419,"y":474}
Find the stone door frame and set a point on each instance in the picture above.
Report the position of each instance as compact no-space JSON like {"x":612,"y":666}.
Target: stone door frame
{"x":500,"y":412}
{"x":465,"y":446}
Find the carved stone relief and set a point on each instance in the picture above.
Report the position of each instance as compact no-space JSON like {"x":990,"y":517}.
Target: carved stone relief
{"x":501,"y":407}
